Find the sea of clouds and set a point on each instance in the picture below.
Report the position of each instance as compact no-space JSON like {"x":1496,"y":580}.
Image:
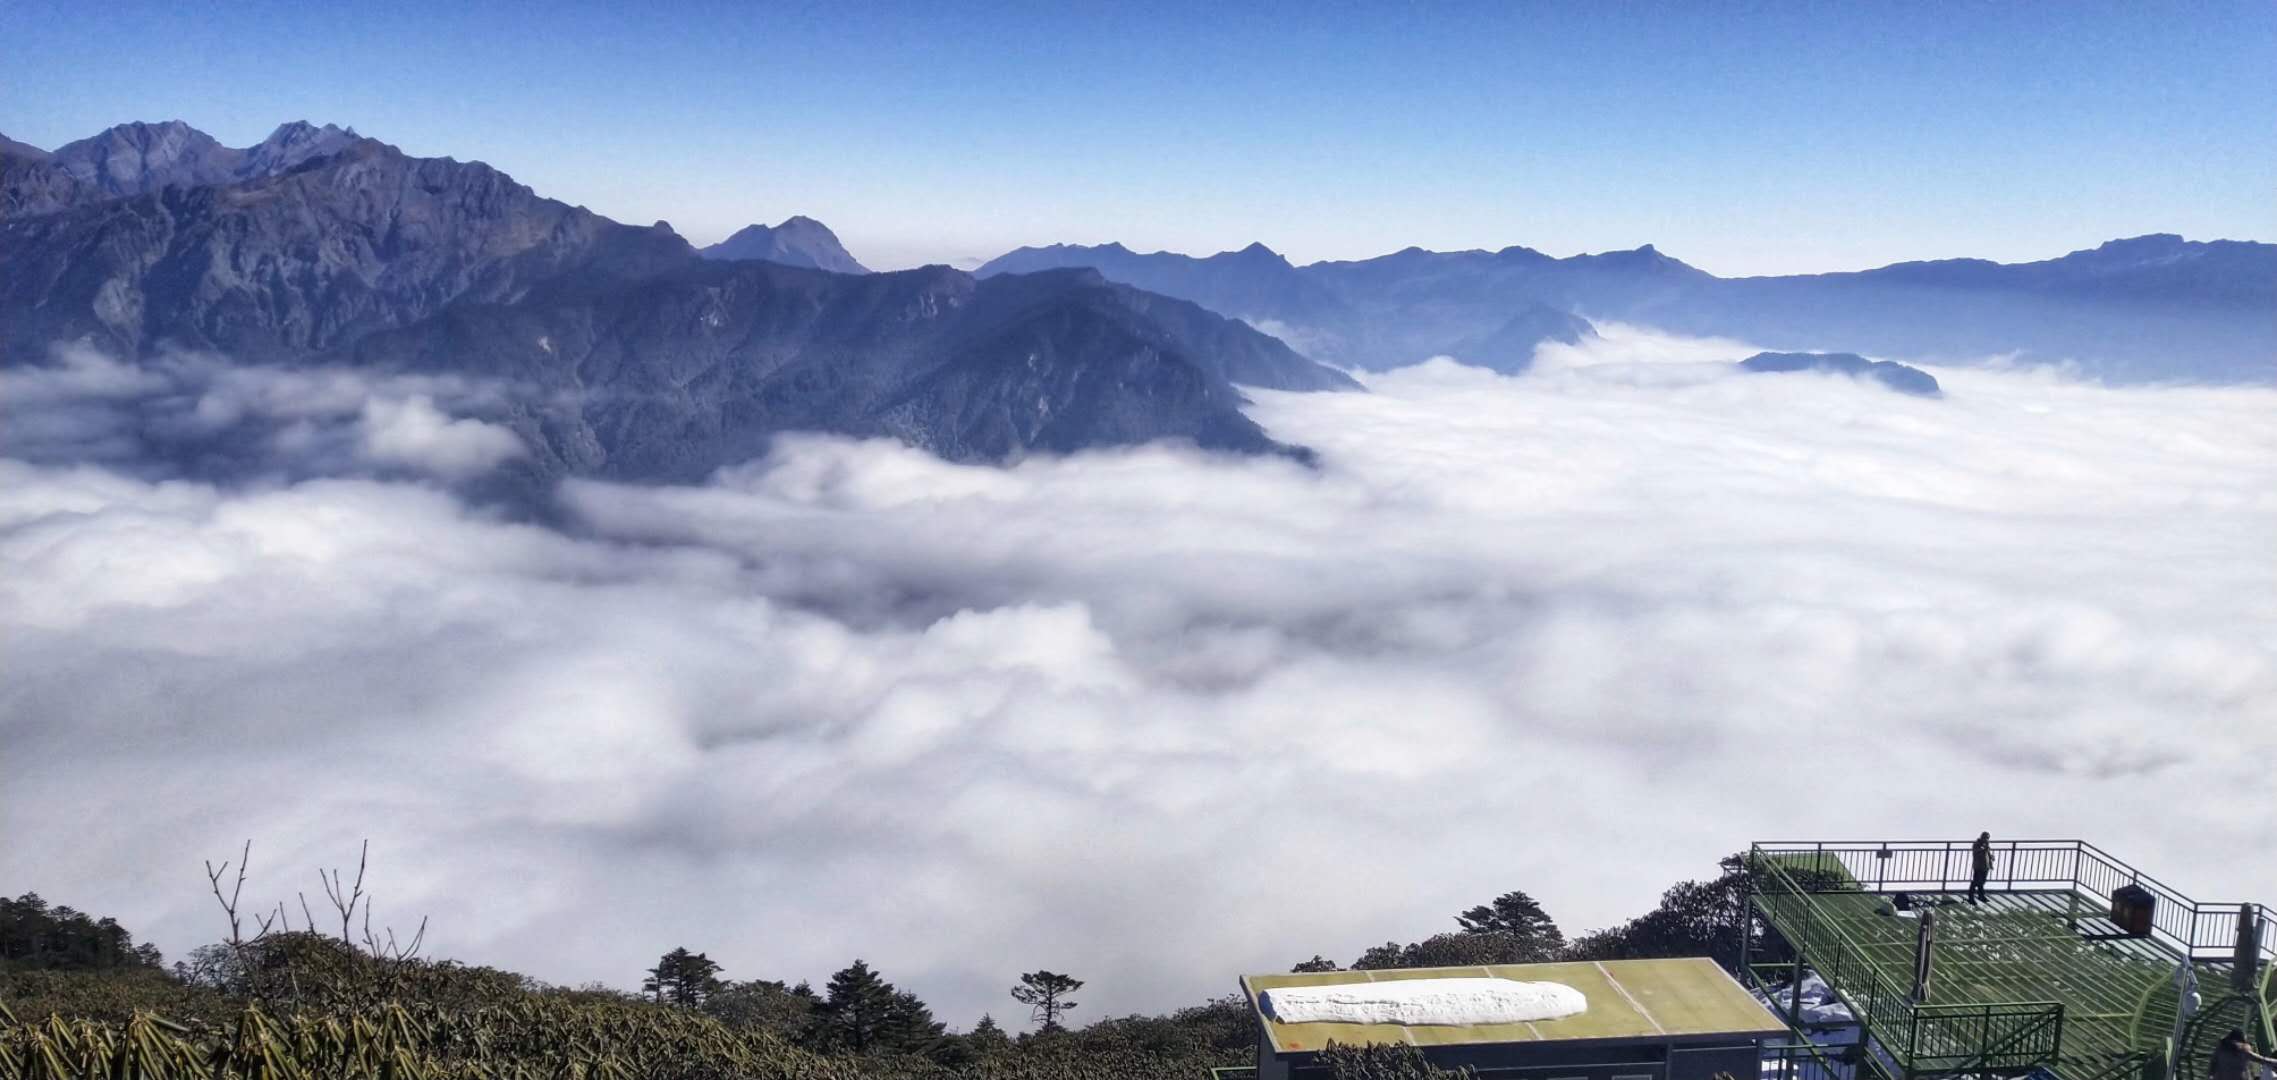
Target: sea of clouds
{"x":1151,"y":717}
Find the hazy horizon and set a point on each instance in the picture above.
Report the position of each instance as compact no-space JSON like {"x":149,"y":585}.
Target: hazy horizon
{"x":1794,"y":141}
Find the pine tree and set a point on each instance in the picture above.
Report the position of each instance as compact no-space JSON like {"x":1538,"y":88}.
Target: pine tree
{"x":1045,"y":994}
{"x":766,"y":1005}
{"x":987,"y":1037}
{"x":682,"y":978}
{"x":1518,"y":915}
{"x":1379,"y":957}
{"x":863,"y":1013}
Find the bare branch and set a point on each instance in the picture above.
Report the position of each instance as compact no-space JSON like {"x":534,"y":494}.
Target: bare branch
{"x":229,"y":903}
{"x":268,"y":921}
{"x":392,"y":949}
{"x":345,"y":899}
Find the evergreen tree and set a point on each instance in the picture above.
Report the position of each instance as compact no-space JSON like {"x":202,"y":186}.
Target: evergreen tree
{"x":34,"y":936}
{"x":911,"y":1028}
{"x":788,"y":1011}
{"x":986,"y":1037}
{"x":1379,"y":957}
{"x":863,"y":1013}
{"x":1511,"y":930}
{"x":1453,"y":950}
{"x":1519,"y":916}
{"x":682,"y":978}
{"x":1045,"y":994}
{"x":1317,"y":963}
{"x":1695,"y":918}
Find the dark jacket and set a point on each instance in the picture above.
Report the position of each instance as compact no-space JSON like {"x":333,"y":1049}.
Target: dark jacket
{"x":1980,"y":856}
{"x":2232,"y":1062}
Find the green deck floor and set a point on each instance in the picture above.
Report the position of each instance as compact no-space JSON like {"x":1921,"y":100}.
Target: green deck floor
{"x":2118,"y":993}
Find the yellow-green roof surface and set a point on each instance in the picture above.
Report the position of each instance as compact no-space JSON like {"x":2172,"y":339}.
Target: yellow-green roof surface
{"x":1628,"y":999}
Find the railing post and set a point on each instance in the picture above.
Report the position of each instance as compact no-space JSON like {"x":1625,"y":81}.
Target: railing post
{"x":1912,"y":1040}
{"x":2245,"y":972}
{"x":2056,"y":1046}
{"x":1924,"y":953}
{"x":1795,"y":991}
{"x":1747,"y":921}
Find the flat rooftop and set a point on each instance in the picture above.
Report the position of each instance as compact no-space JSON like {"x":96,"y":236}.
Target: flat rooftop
{"x":1628,"y":1000}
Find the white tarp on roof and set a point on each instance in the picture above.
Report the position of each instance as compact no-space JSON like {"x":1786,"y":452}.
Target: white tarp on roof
{"x":1423,"y":1001}
{"x":1820,"y":1006}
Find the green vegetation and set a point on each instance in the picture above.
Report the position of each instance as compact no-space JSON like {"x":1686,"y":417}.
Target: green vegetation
{"x":36,"y":937}
{"x":277,"y":999}
{"x":682,"y":978}
{"x":1045,"y":994}
{"x":1694,"y":918}
{"x":1390,"y":1062}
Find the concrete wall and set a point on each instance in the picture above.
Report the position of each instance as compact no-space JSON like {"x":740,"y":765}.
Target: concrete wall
{"x":1630,"y":1060}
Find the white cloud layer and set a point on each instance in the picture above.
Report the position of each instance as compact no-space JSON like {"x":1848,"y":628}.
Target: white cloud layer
{"x":412,"y":433}
{"x":1154,"y":718}
{"x":196,"y":414}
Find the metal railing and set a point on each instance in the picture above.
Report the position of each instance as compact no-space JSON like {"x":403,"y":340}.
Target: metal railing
{"x":1976,"y":1038}
{"x":1922,"y":1038}
{"x":2197,"y":929}
{"x":1809,"y":1061}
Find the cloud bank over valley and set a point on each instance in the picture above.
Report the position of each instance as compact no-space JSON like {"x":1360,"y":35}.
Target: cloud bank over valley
{"x":1149,"y":716}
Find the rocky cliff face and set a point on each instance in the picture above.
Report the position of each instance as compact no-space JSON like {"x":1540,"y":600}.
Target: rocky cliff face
{"x":284,"y":265}
{"x":679,"y":373}
{"x":136,"y":159}
{"x":626,"y":353}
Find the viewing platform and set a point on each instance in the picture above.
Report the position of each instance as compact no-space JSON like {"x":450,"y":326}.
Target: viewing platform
{"x":2076,"y":966}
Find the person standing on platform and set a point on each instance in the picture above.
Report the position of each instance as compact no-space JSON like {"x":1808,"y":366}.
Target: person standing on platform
{"x":2232,"y":1055}
{"x":1980,"y":866}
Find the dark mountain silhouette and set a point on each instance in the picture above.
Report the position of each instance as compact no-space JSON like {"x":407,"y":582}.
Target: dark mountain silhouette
{"x":632,"y":356}
{"x":798,"y":241}
{"x":2149,"y":308}
{"x":1896,"y":376}
{"x":277,"y":267}
{"x":670,"y":376}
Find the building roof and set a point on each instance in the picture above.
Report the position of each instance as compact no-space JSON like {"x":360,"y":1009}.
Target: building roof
{"x":1628,"y":1000}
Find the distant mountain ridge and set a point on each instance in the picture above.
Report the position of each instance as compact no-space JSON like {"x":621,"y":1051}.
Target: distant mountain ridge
{"x":798,"y":241}
{"x":134,"y":159}
{"x":1899,"y":377}
{"x":1249,"y":283}
{"x":2155,"y":307}
{"x":628,"y":354}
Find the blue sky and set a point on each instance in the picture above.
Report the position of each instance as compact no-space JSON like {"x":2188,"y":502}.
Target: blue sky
{"x":1743,"y":138}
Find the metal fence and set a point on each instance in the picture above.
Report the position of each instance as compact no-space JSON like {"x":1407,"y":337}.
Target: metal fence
{"x":2198,"y":929}
{"x":1922,"y":1038}
{"x":1811,"y":1061}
